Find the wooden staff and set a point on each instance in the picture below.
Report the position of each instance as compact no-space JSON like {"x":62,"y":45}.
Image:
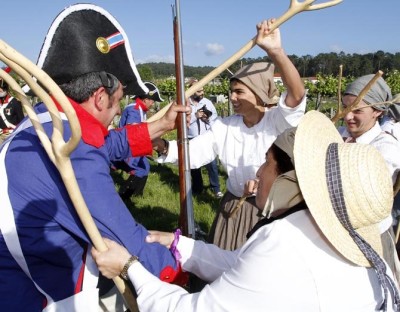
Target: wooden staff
{"x":57,"y":149}
{"x":340,"y":114}
{"x":294,"y":8}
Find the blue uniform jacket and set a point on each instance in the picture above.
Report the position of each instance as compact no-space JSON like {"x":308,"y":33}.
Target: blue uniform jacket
{"x":52,"y":237}
{"x":138,"y":166}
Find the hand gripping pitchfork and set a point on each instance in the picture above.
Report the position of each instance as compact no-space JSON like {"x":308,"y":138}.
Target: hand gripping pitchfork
{"x":294,"y":8}
{"x":57,"y":149}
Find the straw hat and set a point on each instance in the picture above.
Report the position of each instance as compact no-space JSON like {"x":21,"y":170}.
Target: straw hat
{"x":365,"y":180}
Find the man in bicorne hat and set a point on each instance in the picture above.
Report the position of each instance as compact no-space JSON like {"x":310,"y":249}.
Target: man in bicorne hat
{"x":11,"y":112}
{"x":44,"y":247}
{"x":137,"y":167}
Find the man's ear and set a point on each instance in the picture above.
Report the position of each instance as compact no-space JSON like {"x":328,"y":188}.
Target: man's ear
{"x":378,"y":113}
{"x":100,"y":98}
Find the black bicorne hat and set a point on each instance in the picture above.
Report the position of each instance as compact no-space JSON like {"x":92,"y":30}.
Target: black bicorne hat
{"x":85,"y":38}
{"x":153,"y":93}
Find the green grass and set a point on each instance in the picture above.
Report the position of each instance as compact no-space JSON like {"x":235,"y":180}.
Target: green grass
{"x":158,"y":208}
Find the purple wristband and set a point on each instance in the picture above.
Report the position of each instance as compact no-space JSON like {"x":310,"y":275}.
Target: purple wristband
{"x":173,"y":249}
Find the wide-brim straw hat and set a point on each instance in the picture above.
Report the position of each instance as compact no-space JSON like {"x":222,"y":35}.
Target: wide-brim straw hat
{"x":366,"y":184}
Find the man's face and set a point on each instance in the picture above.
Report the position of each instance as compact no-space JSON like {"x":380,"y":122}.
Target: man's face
{"x":148,"y":102}
{"x":243,"y":99}
{"x":360,"y":120}
{"x":198,"y":95}
{"x":3,"y":92}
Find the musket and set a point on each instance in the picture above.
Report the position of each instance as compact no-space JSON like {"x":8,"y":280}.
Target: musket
{"x":295,"y":7}
{"x":186,"y":218}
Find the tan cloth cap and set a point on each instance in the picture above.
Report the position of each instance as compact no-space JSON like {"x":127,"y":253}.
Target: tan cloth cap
{"x":259,"y":77}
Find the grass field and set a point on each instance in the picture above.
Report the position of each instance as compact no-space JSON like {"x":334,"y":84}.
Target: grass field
{"x":158,"y":208}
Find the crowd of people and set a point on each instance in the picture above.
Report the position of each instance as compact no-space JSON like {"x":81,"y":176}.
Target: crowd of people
{"x":306,"y":222}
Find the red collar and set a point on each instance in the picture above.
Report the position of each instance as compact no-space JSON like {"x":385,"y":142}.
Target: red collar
{"x":93,"y":132}
{"x":140,"y":103}
{"x":5,"y":100}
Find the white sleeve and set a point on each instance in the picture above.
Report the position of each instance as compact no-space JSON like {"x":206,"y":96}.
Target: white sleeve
{"x":256,"y":282}
{"x":284,"y":117}
{"x":202,"y":149}
{"x":207,"y":261}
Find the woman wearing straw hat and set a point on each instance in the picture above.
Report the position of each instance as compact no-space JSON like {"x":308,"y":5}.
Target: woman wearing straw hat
{"x":319,"y":249}
{"x":239,"y":140}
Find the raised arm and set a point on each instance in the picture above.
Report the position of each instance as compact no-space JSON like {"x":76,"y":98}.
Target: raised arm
{"x":271,"y":43}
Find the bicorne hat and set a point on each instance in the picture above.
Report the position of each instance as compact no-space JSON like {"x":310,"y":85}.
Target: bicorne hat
{"x":85,"y":38}
{"x":153,"y":93}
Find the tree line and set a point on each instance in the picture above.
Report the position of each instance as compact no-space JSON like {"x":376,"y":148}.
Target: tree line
{"x":354,"y":65}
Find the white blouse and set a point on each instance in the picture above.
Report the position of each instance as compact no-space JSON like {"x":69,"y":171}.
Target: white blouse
{"x":287,"y":265}
{"x":240,"y":149}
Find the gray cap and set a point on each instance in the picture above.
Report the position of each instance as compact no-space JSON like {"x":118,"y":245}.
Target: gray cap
{"x":379,"y":92}
{"x":259,"y":77}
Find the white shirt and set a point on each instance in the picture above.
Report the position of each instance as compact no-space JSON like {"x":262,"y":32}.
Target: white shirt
{"x":389,"y":125}
{"x":285,"y":266}
{"x":198,"y":126}
{"x":240,"y":149}
{"x":386,"y":144}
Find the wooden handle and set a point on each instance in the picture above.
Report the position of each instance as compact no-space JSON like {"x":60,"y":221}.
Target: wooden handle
{"x":294,"y":8}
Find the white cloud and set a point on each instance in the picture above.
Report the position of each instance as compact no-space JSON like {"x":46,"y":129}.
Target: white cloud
{"x":336,"y":48}
{"x":156,"y":59}
{"x":214,"y":49}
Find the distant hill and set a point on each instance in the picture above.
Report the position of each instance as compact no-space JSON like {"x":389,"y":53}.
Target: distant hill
{"x":324,"y":63}
{"x":164,"y":70}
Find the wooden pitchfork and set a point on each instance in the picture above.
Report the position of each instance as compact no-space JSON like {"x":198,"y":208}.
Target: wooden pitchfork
{"x":341,"y":113}
{"x":57,"y":149}
{"x":294,"y":8}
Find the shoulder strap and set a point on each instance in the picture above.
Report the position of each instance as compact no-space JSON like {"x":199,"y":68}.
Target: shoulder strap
{"x":300,"y":206}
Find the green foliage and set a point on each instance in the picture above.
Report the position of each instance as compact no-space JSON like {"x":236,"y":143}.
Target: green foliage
{"x":219,"y":87}
{"x":146,"y":73}
{"x":393,"y":80}
{"x":167,"y":88}
{"x":354,"y":65}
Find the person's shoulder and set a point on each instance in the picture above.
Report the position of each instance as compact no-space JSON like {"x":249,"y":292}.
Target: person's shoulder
{"x":14,"y":101}
{"x":229,"y":120}
{"x":387,"y":144}
{"x":129,"y":107}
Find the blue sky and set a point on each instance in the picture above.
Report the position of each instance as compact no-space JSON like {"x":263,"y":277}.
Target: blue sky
{"x":213,"y":30}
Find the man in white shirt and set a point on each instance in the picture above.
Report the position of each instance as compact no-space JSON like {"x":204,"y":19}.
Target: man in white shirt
{"x":362,"y":124}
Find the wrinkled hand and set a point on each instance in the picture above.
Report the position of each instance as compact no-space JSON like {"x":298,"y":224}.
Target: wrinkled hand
{"x":112,"y":261}
{"x":164,"y":238}
{"x":266,"y":40}
{"x":250,"y":187}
